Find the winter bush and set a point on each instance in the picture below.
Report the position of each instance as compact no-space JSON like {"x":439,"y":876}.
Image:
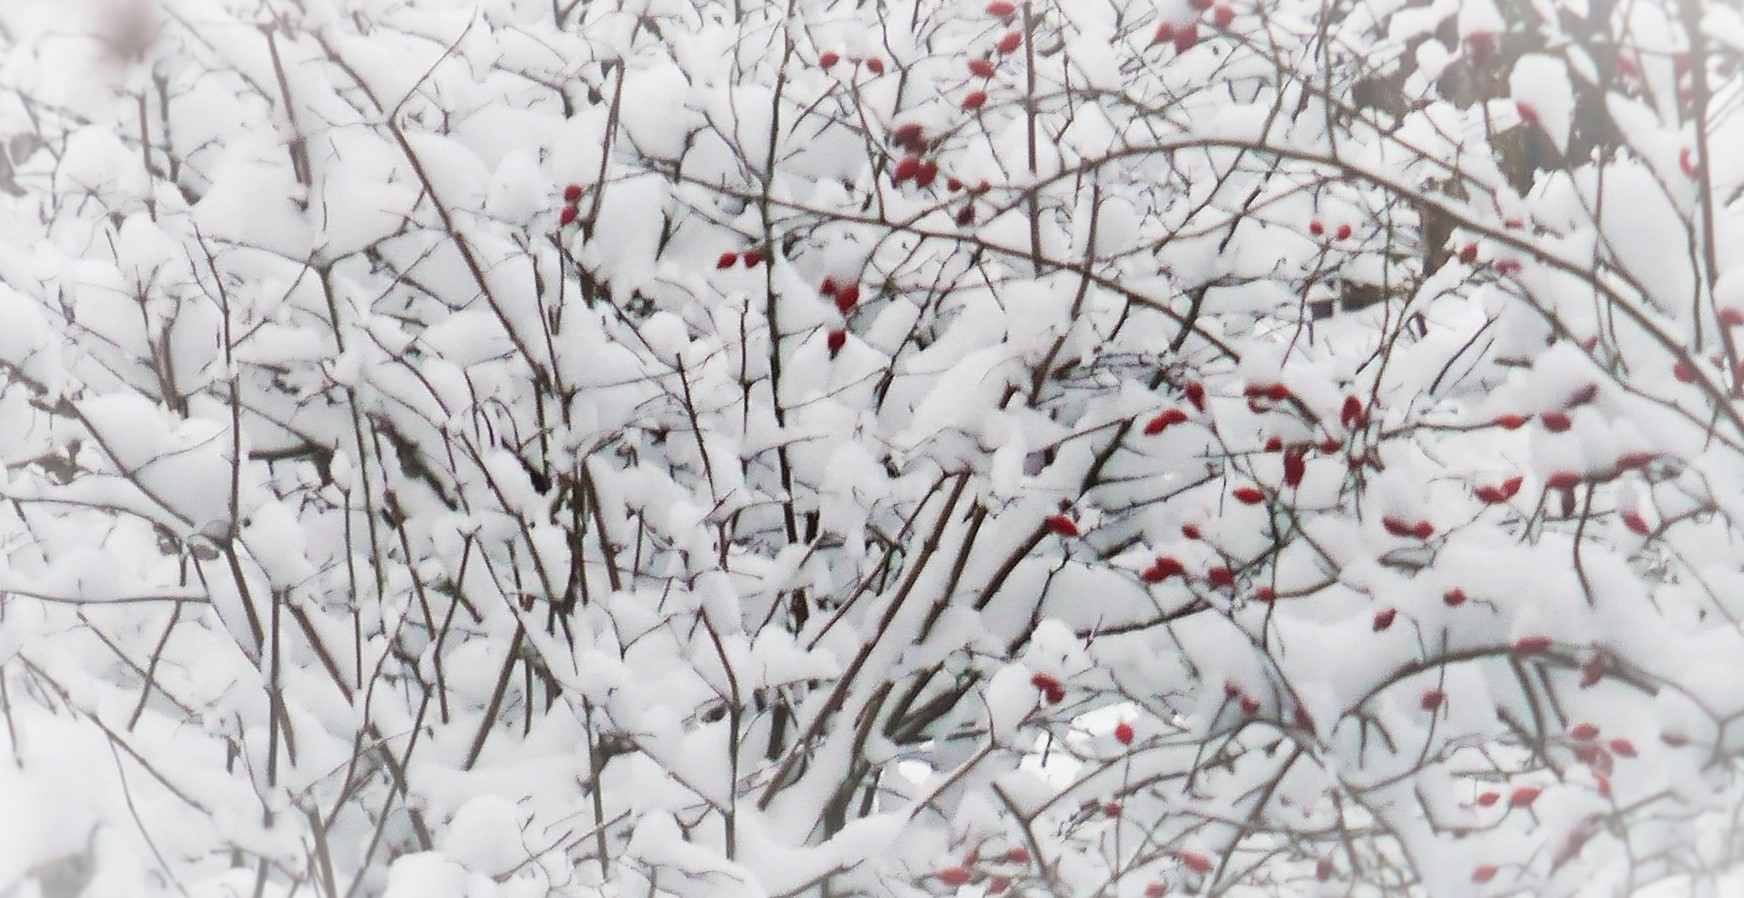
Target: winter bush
{"x":812,"y":448}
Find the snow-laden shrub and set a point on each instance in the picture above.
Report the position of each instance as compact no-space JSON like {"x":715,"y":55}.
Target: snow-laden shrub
{"x":797,"y":447}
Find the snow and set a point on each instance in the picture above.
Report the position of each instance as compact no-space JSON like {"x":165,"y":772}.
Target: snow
{"x":349,"y":491}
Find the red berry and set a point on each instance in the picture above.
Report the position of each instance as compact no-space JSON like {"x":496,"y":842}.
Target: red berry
{"x":905,"y":169}
{"x":1323,"y":869}
{"x":1186,"y":37}
{"x":1265,"y":594}
{"x":567,"y":215}
{"x":1165,"y":33}
{"x":1528,"y":113}
{"x":1222,"y":16}
{"x":1274,"y":444}
{"x":829,"y":59}
{"x":1248,"y":495}
{"x":835,"y":341}
{"x":929,"y":172}
{"x":1555,"y":422}
{"x":1423,"y":530}
{"x":966,"y":216}
{"x":727,"y":260}
{"x":1164,"y":421}
{"x":1249,"y":705}
{"x":1731,"y":316}
{"x":1595,"y":756}
{"x":953,"y":184}
{"x":1190,"y":531}
{"x":1055,"y":695}
{"x":1585,"y":732}
{"x":975,"y":100}
{"x":1484,"y":873}
{"x":1686,"y":160}
{"x":1531,"y":645}
{"x":1331,"y":445}
{"x":1220,"y":576}
{"x":1514,"y":224}
{"x":828,"y":287}
{"x":1512,"y":486}
{"x":1592,"y":671}
{"x":1432,"y":699}
{"x":1683,"y":372}
{"x":1510,"y":422}
{"x":1010,"y":42}
{"x":1489,"y":798}
{"x":1524,"y":796}
{"x":1351,"y":413}
{"x":1344,"y":231}
{"x":1044,"y":682}
{"x":1468,"y":253}
{"x":847,"y":296}
{"x":909,"y":134}
{"x":1674,"y":739}
{"x":999,"y":9}
{"x":1398,"y":526}
{"x":1295,"y":466}
{"x":1563,"y":480}
{"x":875,"y":66}
{"x":1018,"y":855}
{"x":1480,"y":45}
{"x":1384,"y":618}
{"x":1316,"y":228}
{"x":1454,"y":597}
{"x":1123,"y":733}
{"x":753,"y":258}
{"x":1155,"y":890}
{"x":1490,"y":495}
{"x":982,"y":68}
{"x":1162,"y":569}
{"x":1167,"y":567}
{"x":1196,"y":395}
{"x":998,"y":885}
{"x":1196,"y":862}
{"x":572,"y":193}
{"x":1062,"y":525}
{"x":1112,"y":809}
{"x":1508,"y":267}
{"x":1623,"y":748}
{"x":1636,"y":523}
{"x":954,"y":876}
{"x":1277,"y":392}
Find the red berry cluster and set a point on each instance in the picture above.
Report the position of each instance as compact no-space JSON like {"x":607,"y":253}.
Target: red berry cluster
{"x":1402,"y":528}
{"x":997,"y":871}
{"x":1050,"y":688}
{"x":1495,"y":495}
{"x":913,"y":166}
{"x":571,"y":197}
{"x":1185,"y":36}
{"x":752,"y":258}
{"x":1318,"y":229}
{"x":846,"y":298}
{"x":828,"y":59}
